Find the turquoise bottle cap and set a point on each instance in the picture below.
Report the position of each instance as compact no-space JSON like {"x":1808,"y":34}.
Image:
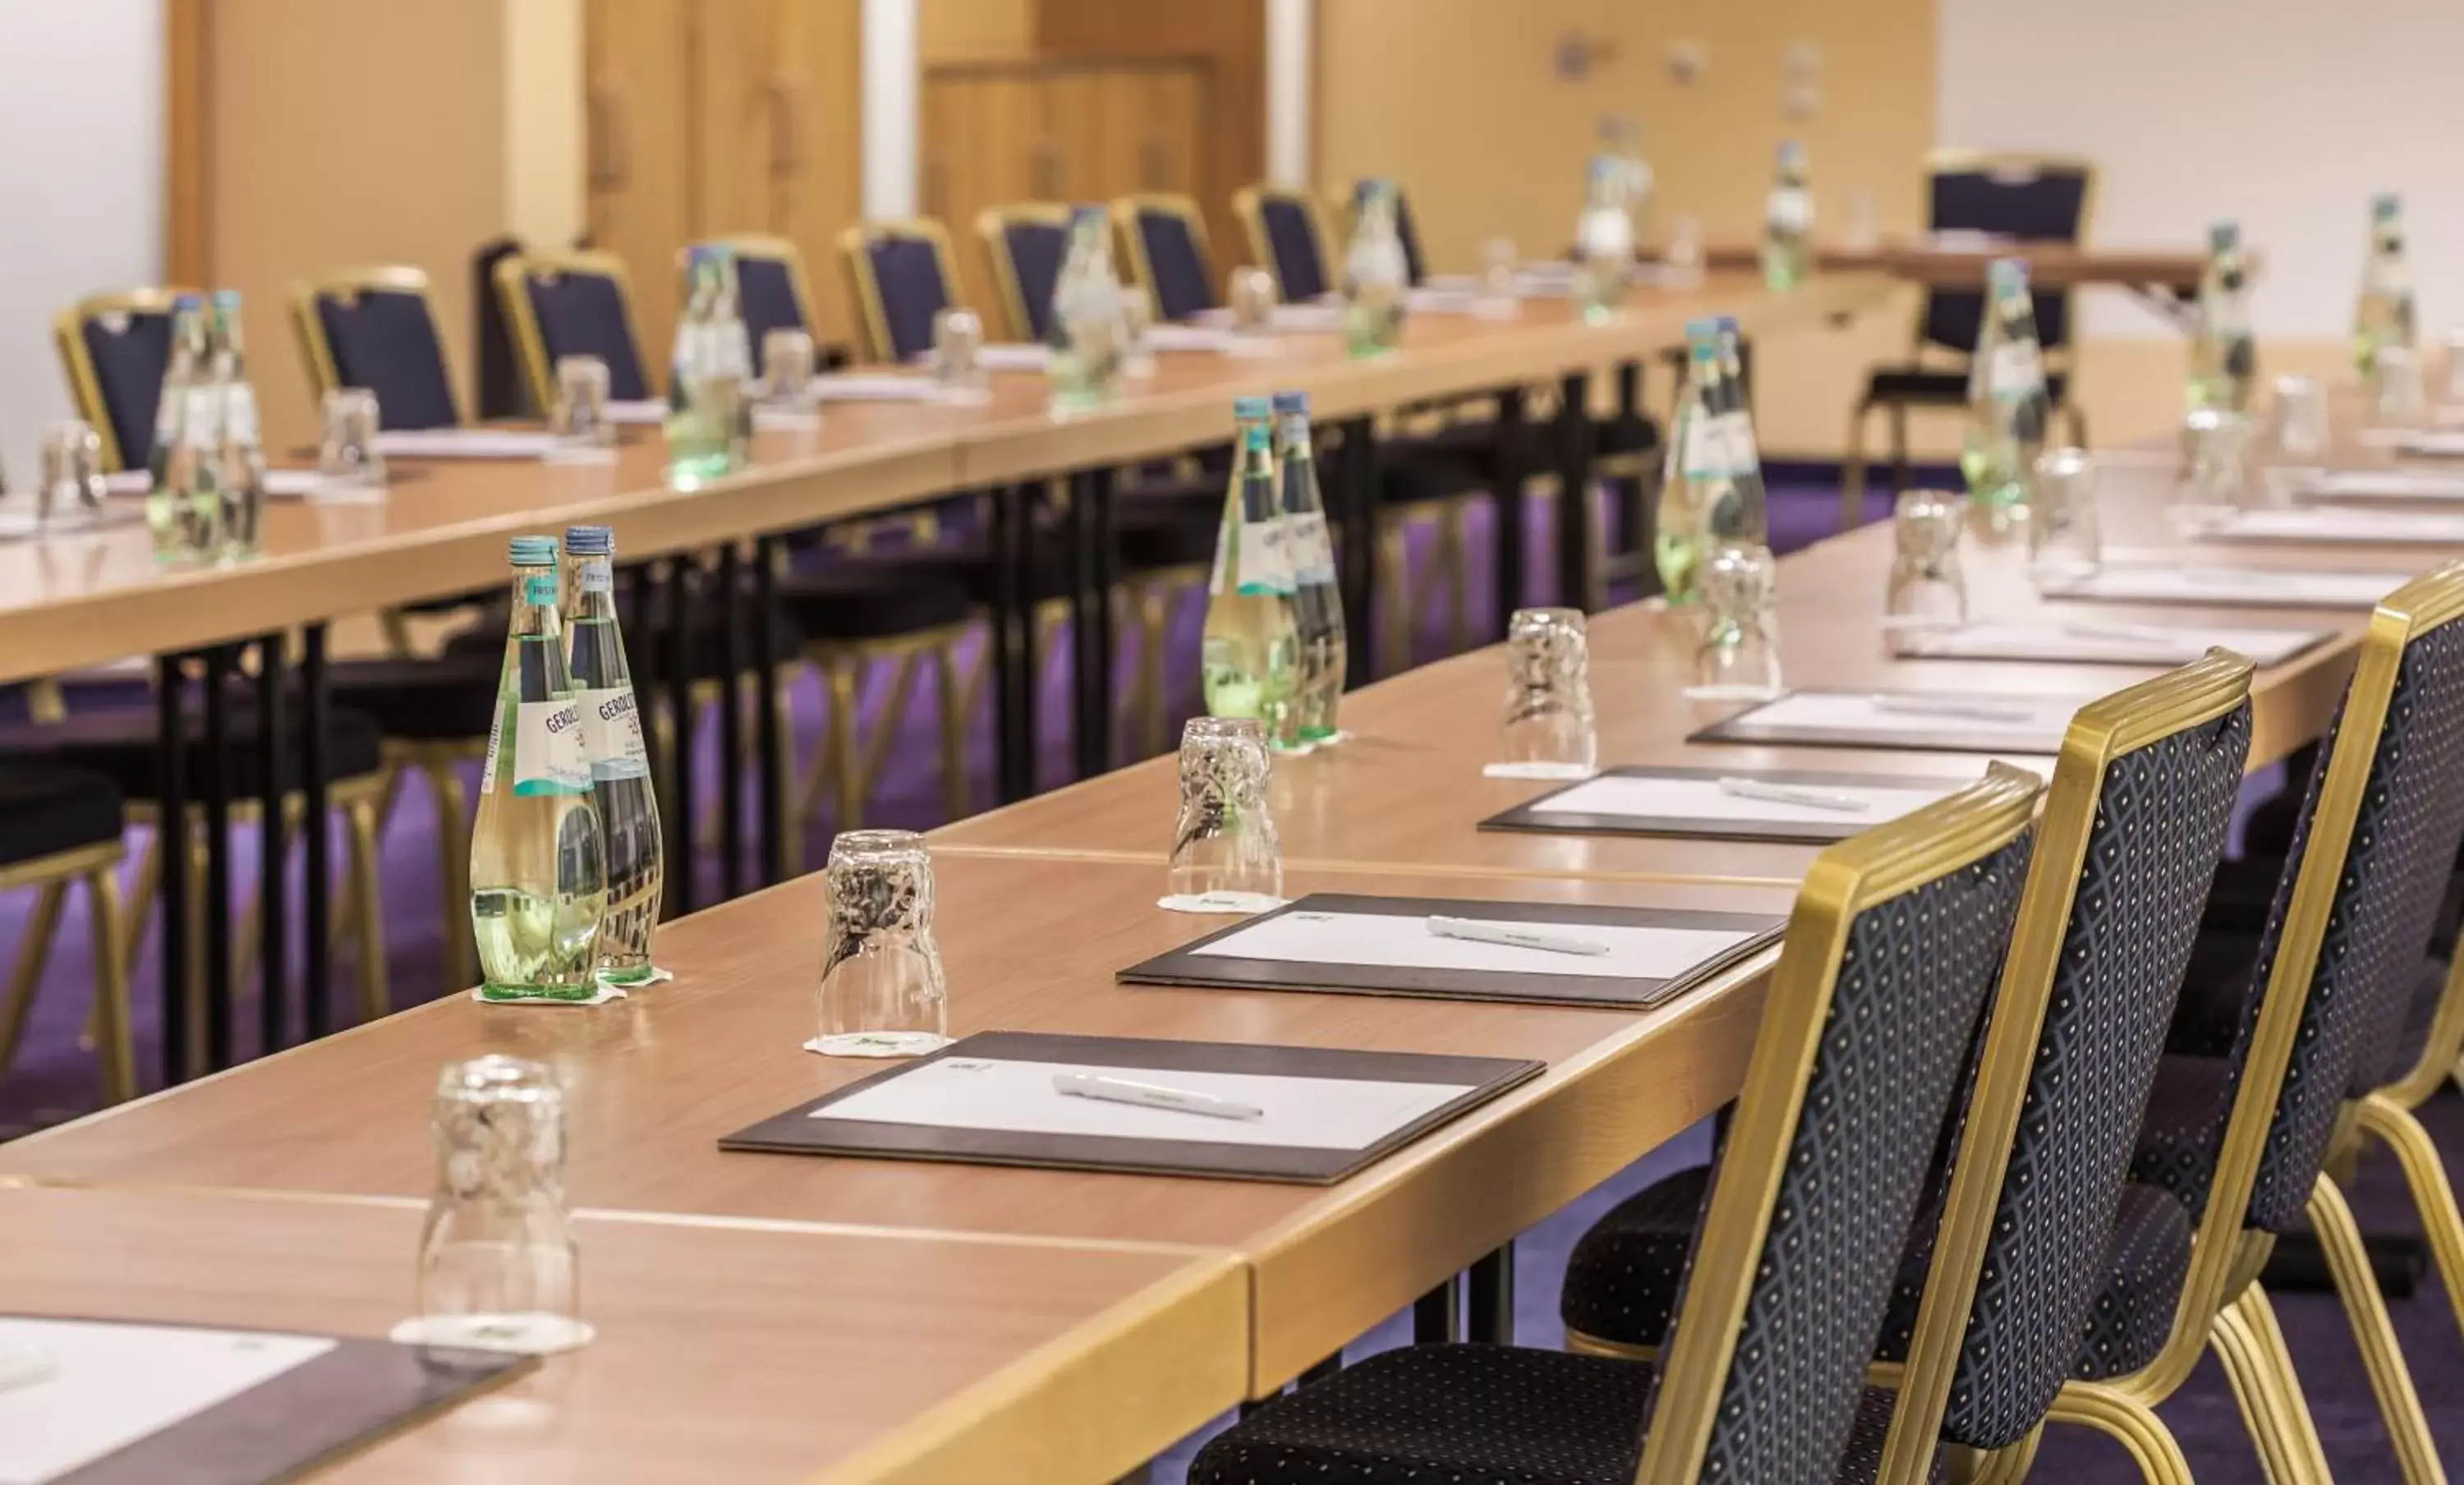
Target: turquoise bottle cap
{"x":180,"y":302}
{"x":2224,"y":234}
{"x":2008,"y":273}
{"x":1291,"y":402}
{"x":1727,"y":324}
{"x":589,"y":540}
{"x":226,"y":298}
{"x":1248,"y":408}
{"x":1701,"y":326}
{"x":2385,"y":203}
{"x":534,"y":551}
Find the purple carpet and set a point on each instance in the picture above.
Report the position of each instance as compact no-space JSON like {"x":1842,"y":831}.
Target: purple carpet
{"x":54,"y":1080}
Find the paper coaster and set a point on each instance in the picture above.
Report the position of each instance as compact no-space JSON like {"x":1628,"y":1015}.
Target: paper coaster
{"x":1558,"y":771}
{"x":1236,"y":902}
{"x":877,"y":1044}
{"x":606,"y":993}
{"x":656,"y":976}
{"x":521,"y":1335}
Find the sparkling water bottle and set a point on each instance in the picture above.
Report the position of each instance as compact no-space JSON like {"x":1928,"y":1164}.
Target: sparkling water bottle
{"x":2006,"y":400}
{"x":1745,"y":519}
{"x":1603,"y":240}
{"x":2224,"y":358}
{"x":1089,"y":333}
{"x":1250,"y":660}
{"x":1698,"y":485}
{"x":620,"y":767}
{"x":539,"y":861}
{"x":1787,"y":221}
{"x":1317,"y":598}
{"x":2384,"y":313}
{"x":177,"y":465}
{"x":1376,"y":278}
{"x":702,"y":391}
{"x":239,"y":449}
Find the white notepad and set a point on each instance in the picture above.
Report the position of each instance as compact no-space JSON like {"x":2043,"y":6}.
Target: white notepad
{"x":875,"y":387}
{"x":466,"y":443}
{"x":1648,"y":797}
{"x":281,"y":484}
{"x":1017,"y":1098}
{"x":2231,"y":588}
{"x":639,"y":412}
{"x":2384,"y":484}
{"x":2335,"y":523}
{"x":1203,"y":339}
{"x":1014,"y":356}
{"x":2109,"y":643}
{"x":2022,"y":724}
{"x":114,"y":1385}
{"x":2429,"y":445}
{"x":1405,"y":943}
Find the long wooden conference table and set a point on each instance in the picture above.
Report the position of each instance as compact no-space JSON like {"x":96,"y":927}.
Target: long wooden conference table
{"x":1067,"y":1324}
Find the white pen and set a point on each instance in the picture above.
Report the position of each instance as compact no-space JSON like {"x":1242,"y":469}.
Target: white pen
{"x":1783,"y":794}
{"x":1472,"y":932}
{"x":1152,"y":1096}
{"x":1945,"y":706}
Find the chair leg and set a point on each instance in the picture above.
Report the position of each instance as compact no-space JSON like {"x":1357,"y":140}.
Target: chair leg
{"x":949,"y":701}
{"x":2128,"y":1421}
{"x":1900,"y":476}
{"x":2247,"y":1340}
{"x":2366,"y":1308}
{"x":453,"y":869}
{"x":33,"y":953}
{"x":2002,"y":1467}
{"x":846,"y":759}
{"x":1451,"y":564}
{"x":2395,"y":1126}
{"x":112,"y":1029}
{"x":1852,"y":470}
{"x":376,"y":997}
{"x":884,"y":733}
{"x":1394,"y":582}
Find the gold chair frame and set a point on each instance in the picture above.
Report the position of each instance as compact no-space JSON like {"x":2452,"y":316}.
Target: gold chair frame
{"x":77,"y":360}
{"x":992,"y":228}
{"x":530,"y":344}
{"x":96,"y":866}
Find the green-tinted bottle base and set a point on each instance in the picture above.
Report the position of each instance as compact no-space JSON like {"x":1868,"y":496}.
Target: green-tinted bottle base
{"x":630,"y":976}
{"x":576,"y":992}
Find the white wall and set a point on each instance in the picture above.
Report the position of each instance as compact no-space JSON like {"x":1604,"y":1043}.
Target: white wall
{"x":2286,"y":114}
{"x":80,"y":185}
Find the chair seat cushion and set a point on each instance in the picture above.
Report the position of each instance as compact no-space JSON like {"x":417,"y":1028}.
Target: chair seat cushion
{"x":2145,"y":1262}
{"x":1622,"y":1277}
{"x":1497,"y":1415}
{"x":862,"y":599}
{"x":447,"y":699}
{"x":1936,"y":386}
{"x":1421,"y":481}
{"x":118,"y":742}
{"x":1168,"y":525}
{"x":46,"y":810}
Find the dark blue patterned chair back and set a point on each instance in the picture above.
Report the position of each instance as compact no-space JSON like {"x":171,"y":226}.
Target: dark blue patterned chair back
{"x":585,"y":313}
{"x":130,"y":354}
{"x":1178,"y":273}
{"x":386,"y":341}
{"x":2160,"y":817}
{"x":1414,"y":265}
{"x":1292,"y":239}
{"x":907,"y":275}
{"x":2047,"y":203}
{"x":2379,"y":924}
{"x":766,"y":296}
{"x":1908,"y":998}
{"x":1035,"y":250}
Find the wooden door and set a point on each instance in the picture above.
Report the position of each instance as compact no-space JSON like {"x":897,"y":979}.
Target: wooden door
{"x":817,"y":164}
{"x":642,"y":148}
{"x":984,"y":145}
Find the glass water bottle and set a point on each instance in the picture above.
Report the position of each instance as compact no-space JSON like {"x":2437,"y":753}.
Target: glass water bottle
{"x":1088,"y":335}
{"x":2006,"y":401}
{"x":539,"y":862}
{"x":1787,"y":221}
{"x":1746,"y":520}
{"x":1603,"y":240}
{"x":619,"y":765}
{"x":2384,"y":313}
{"x":1376,"y":278}
{"x":2224,"y":357}
{"x":702,"y":392}
{"x":184,"y":418}
{"x":239,"y":449}
{"x":1250,"y":658}
{"x":1317,"y":595}
{"x":1698,"y":483}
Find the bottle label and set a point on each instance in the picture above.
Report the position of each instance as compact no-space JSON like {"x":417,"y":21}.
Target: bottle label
{"x":548,"y":750}
{"x":203,"y":421}
{"x":1312,"y":553}
{"x":239,"y":415}
{"x":1791,"y":210}
{"x":539,"y":587}
{"x":597,"y":575}
{"x":612,"y":734}
{"x":1265,"y":559}
{"x":1737,"y":440}
{"x":1706,"y":446}
{"x":2014,"y":371}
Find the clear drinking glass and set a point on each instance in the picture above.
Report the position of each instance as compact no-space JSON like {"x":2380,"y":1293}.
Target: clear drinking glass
{"x":579,"y":420}
{"x":2451,"y":391}
{"x":1738,"y":659}
{"x":2400,"y":400}
{"x":1137,"y":351}
{"x":498,"y":1268}
{"x":2208,"y":486}
{"x":883,"y":994}
{"x":958,"y":350}
{"x":2064,"y":541}
{"x":1682,"y":264}
{"x":789,"y":364}
{"x":2290,"y":441}
{"x":1252,"y":297}
{"x":1928,"y":589}
{"x":70,"y":492}
{"x":1547,"y":729}
{"x":1225,"y":850}
{"x":347,"y":456}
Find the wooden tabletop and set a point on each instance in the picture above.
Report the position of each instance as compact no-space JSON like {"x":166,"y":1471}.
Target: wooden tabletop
{"x":1962,"y":264}
{"x":653,"y":1082}
{"x":73,"y":600}
{"x":750,"y":1352}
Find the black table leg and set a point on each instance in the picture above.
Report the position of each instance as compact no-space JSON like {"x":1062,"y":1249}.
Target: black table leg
{"x":1492,"y":1298}
{"x":218,"y":872}
{"x":172,"y":849}
{"x":680,"y":710}
{"x":1575,"y":574}
{"x":1513,"y":434}
{"x":1011,"y":652}
{"x":1437,"y":1316}
{"x":316,"y":837}
{"x":1355,"y":518}
{"x":731,"y":721}
{"x":768,"y":724}
{"x":273,"y":892}
{"x":1090,"y":619}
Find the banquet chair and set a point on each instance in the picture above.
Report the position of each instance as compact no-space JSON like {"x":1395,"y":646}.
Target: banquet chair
{"x":1882,"y":984}
{"x":58,"y":828}
{"x":2086,"y":1266}
{"x":772,"y":293}
{"x":115,"y":349}
{"x":577,"y":302}
{"x":1025,"y":243}
{"x":1288,"y":235}
{"x":2031,"y":198}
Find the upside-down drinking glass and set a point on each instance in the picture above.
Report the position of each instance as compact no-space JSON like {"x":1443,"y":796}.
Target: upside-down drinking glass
{"x":1224,"y":846}
{"x":883,"y":994}
{"x":1548,"y":693}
